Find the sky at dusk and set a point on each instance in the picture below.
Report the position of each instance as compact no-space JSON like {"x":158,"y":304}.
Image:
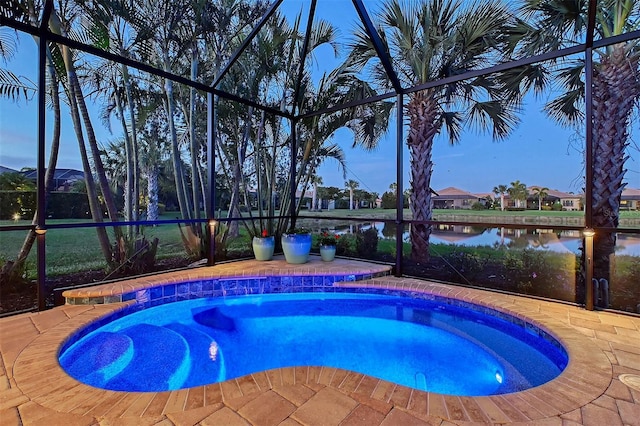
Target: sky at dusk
{"x":538,"y":152}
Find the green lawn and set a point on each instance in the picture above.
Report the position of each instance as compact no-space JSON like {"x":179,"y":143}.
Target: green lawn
{"x":77,"y":249}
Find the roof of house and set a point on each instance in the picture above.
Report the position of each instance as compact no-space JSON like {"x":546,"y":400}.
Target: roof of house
{"x":59,"y":174}
{"x":451,"y":192}
{"x":631,"y":194}
{"x":552,"y":193}
{"x":7,"y":170}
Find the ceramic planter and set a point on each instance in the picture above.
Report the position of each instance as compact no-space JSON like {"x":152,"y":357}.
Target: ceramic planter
{"x":327,"y":252}
{"x":263,"y":247}
{"x":296,"y":247}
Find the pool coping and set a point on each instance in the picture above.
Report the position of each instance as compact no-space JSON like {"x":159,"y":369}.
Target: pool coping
{"x":130,"y":289}
{"x":585,"y":378}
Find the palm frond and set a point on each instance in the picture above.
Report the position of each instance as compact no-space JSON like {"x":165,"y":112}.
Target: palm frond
{"x":453,"y":123}
{"x":8,"y":43}
{"x":16,"y":87}
{"x":493,"y":114}
{"x":567,"y":109}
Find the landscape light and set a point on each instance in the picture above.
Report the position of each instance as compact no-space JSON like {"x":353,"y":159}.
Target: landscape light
{"x":16,"y":217}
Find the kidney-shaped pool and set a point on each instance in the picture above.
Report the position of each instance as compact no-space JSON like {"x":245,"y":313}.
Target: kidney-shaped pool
{"x":442,"y":345}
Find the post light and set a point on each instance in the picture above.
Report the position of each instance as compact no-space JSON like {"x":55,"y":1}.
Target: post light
{"x":212,"y":242}
{"x":588,"y":233}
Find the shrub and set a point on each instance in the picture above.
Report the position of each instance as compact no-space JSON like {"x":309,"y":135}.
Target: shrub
{"x":341,"y":203}
{"x":388,"y":200}
{"x":478,"y":206}
{"x":60,"y":205}
{"x":367,"y":242}
{"x":466,"y":263}
{"x":346,"y":245}
{"x":134,"y":256}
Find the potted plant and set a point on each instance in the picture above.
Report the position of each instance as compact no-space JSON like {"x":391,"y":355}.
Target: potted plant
{"x":296,"y":245}
{"x":263,"y":246}
{"x":328,"y":246}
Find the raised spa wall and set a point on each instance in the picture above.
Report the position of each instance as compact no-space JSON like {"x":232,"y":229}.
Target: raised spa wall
{"x":225,"y":280}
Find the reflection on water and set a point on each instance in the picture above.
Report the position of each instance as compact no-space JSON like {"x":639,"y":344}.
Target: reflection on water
{"x":467,"y":235}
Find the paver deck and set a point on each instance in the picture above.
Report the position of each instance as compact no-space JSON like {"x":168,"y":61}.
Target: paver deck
{"x":603,"y":348}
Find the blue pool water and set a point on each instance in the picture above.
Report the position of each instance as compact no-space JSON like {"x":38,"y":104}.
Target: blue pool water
{"x":432,"y":345}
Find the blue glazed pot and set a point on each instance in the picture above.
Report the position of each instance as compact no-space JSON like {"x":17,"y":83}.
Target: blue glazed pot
{"x":296,"y":247}
{"x":263,"y":247}
{"x":327,"y":252}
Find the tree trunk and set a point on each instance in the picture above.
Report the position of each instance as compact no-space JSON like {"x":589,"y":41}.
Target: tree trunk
{"x":616,"y":88}
{"x":421,"y":110}
{"x":92,"y":195}
{"x":128,"y":150}
{"x":53,"y":161}
{"x":93,"y":145}
{"x":194,"y":146}
{"x":152,"y":192}
{"x":178,"y":174}
{"x":135,"y":161}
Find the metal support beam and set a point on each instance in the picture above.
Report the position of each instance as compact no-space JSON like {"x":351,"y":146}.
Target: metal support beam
{"x":382,"y":52}
{"x":292,"y":172}
{"x":246,"y":41}
{"x":40,"y":228}
{"x":400,"y":183}
{"x":211,"y":174}
{"x":303,"y":58}
{"x":588,"y":256}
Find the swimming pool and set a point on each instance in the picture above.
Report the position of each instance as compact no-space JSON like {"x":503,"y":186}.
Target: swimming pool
{"x":440,"y":345}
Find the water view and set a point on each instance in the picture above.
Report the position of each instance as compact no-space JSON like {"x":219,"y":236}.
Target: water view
{"x":543,"y":239}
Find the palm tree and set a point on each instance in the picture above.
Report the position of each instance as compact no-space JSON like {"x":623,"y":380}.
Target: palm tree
{"x":9,"y":88}
{"x":518,"y":192}
{"x":374,"y":199}
{"x":273,"y":69}
{"x":351,"y":185}
{"x":540,"y":193}
{"x":315,"y":181}
{"x":79,"y":115}
{"x":501,"y":190}
{"x":615,"y":95}
{"x":120,"y":26}
{"x":430,"y":40}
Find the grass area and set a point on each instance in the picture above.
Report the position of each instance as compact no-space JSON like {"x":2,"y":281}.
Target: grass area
{"x":77,"y":249}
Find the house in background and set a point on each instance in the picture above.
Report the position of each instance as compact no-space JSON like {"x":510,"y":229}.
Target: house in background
{"x":568,"y":201}
{"x":63,"y":179}
{"x":630,"y":199}
{"x":455,"y":198}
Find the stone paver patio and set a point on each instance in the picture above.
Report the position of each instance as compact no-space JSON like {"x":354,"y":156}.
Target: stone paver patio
{"x":603,"y":348}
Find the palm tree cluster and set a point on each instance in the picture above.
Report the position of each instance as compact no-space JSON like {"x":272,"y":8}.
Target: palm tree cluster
{"x":270,"y":147}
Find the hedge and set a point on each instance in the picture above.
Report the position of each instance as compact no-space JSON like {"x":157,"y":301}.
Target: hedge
{"x":61,"y":205}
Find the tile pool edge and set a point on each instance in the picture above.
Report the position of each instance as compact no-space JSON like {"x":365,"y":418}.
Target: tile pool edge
{"x":591,"y":376}
{"x":201,"y":282}
{"x":584,"y":380}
